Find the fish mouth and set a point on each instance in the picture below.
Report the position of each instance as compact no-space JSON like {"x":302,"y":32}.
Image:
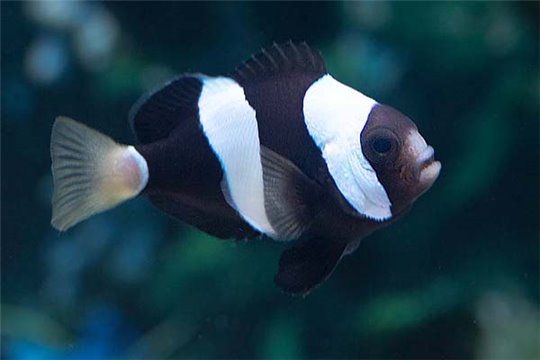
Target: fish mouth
{"x":429,"y":168}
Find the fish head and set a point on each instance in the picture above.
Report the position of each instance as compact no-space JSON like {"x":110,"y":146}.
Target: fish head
{"x":403,"y":161}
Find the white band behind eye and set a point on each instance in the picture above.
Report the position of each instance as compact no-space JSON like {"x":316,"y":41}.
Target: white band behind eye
{"x":335,"y":116}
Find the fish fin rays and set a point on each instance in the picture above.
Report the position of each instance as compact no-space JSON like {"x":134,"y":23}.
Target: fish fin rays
{"x":305,"y":266}
{"x":205,"y":217}
{"x":288,"y":196}
{"x":279,"y":59}
{"x":91,"y":173}
{"x":156,"y":114}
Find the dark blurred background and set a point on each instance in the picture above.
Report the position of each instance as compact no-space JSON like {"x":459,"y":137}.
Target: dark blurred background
{"x":456,"y":278}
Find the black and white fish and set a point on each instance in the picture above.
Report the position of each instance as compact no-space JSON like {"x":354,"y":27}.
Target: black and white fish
{"x":279,"y":148}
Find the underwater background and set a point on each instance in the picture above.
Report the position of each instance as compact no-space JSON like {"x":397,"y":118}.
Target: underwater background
{"x":458,"y":277}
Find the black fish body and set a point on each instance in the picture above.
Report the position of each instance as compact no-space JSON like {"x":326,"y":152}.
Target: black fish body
{"x":278,"y":148}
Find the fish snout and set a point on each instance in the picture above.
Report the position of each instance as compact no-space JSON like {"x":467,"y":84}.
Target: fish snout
{"x":423,"y":156}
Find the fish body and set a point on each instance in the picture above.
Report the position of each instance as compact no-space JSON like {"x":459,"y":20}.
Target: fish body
{"x":278,"y":148}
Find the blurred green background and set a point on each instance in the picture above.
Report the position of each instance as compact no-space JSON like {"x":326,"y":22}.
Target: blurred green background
{"x":456,"y":278}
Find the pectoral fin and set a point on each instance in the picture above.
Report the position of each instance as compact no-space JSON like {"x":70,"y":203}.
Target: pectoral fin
{"x":305,"y":266}
{"x":290,"y":197}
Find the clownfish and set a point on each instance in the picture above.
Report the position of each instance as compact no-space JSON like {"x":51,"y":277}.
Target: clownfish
{"x":279,"y":149}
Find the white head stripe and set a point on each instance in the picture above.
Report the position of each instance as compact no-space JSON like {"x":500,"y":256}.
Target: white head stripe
{"x":229,"y":123}
{"x":335,"y":116}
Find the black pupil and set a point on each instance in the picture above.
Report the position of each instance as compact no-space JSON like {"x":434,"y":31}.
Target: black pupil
{"x":381,"y":145}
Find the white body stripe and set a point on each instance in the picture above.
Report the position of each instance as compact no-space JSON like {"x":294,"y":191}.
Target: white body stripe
{"x":335,"y":116}
{"x":229,"y":123}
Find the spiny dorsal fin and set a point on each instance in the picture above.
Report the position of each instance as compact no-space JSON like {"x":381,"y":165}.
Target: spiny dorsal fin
{"x":159,"y":112}
{"x":283,"y":59}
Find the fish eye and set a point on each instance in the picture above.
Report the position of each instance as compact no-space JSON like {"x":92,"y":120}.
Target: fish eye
{"x":381,"y":145}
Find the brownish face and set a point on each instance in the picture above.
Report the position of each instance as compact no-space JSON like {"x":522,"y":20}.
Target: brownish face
{"x":402,"y":160}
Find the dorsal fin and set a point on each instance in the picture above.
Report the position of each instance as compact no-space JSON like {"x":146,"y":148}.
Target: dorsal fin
{"x":283,"y":59}
{"x":159,"y":112}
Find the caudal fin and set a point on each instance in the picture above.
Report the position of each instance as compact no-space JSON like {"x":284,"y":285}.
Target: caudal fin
{"x":91,"y":172}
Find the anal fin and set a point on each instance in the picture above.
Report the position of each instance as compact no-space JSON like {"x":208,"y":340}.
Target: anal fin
{"x":305,"y":266}
{"x":210,"y":217}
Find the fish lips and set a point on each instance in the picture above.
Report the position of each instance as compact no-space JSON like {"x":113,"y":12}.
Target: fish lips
{"x":427,"y":168}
